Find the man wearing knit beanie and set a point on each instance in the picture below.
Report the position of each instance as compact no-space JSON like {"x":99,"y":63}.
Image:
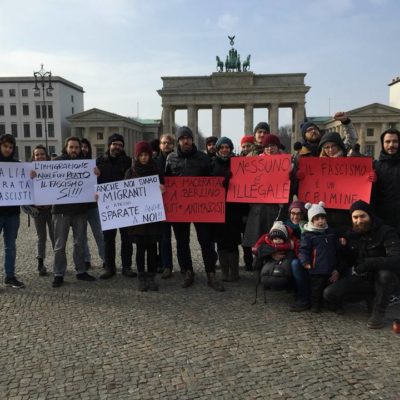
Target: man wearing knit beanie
{"x":211,"y":141}
{"x":312,"y":135}
{"x":188,"y":161}
{"x":373,"y":249}
{"x":260,"y":130}
{"x":113,"y":165}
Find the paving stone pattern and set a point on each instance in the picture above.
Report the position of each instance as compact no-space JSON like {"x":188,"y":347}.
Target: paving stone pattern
{"x":106,"y":340}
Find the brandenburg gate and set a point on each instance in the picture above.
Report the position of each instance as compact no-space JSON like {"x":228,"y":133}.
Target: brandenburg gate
{"x":234,"y":88}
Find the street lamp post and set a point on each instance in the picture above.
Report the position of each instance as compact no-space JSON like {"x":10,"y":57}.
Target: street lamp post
{"x":42,"y":78}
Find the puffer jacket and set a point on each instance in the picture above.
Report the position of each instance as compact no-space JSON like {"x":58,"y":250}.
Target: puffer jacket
{"x":193,"y":163}
{"x":320,"y":250}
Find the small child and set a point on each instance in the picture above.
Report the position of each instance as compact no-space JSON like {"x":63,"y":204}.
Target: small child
{"x":319,"y":253}
{"x":275,"y":251}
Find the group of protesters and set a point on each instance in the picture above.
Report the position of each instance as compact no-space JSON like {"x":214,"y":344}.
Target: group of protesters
{"x":328,"y":257}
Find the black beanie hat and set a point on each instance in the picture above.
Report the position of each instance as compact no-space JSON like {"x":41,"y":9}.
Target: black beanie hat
{"x":211,"y":139}
{"x":363,"y":206}
{"x":305,"y":126}
{"x":116,"y":137}
{"x":332,"y":137}
{"x":261,"y":125}
{"x":184,"y":131}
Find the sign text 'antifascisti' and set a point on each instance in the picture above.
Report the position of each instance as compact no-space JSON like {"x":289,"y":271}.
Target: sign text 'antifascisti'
{"x":194,"y":199}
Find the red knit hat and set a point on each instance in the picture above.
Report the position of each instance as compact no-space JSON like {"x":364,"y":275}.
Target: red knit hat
{"x":271,"y":139}
{"x":247,"y":139}
{"x":143,"y":147}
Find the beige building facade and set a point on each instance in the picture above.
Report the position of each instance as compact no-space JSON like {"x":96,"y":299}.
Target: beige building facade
{"x":244,"y":90}
{"x":369,"y":121}
{"x":97,"y":125}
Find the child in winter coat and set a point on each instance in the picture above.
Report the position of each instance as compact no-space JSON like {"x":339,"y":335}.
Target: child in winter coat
{"x":318,"y":253}
{"x":145,"y":236}
{"x":275,"y":251}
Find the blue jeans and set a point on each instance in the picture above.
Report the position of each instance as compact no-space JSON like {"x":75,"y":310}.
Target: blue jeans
{"x":9,"y":225}
{"x":93,"y":219}
{"x":302,"y":279}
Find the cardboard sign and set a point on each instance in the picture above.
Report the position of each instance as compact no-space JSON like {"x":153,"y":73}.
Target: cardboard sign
{"x":194,"y":199}
{"x":338,"y":182}
{"x":64,"y":182}
{"x":130,"y":202}
{"x":262,"y":179}
{"x":15,"y":184}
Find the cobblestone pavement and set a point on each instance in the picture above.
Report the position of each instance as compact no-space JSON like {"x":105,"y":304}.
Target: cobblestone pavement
{"x":106,"y":340}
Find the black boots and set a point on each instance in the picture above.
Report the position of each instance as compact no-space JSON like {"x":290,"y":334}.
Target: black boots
{"x":147,"y":282}
{"x":189,"y":279}
{"x":214,"y":283}
{"x":41,"y":268}
{"x":108,"y":273}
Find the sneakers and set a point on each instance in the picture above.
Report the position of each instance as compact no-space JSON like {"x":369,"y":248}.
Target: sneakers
{"x":57,"y":282}
{"x":84,"y":276}
{"x":167,"y":273}
{"x":14,"y":283}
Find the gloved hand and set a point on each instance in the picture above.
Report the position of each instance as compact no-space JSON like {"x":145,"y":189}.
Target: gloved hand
{"x":366,"y":266}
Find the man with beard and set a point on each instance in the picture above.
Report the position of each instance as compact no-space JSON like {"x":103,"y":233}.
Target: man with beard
{"x":188,"y":161}
{"x":373,"y":249}
{"x":113,"y":166}
{"x":64,"y":217}
{"x":211,"y":150}
{"x":312,"y":135}
{"x":167,"y":144}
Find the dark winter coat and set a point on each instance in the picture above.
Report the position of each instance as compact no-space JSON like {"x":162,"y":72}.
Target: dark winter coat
{"x":193,"y":163}
{"x":152,"y":231}
{"x":320,"y":250}
{"x":112,"y":169}
{"x":9,"y":210}
{"x":161,"y":160}
{"x":69,"y":209}
{"x":227,"y":235}
{"x":386,"y":191}
{"x":379,"y":248}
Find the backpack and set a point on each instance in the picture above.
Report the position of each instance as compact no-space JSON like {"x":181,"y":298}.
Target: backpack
{"x":276,"y":275}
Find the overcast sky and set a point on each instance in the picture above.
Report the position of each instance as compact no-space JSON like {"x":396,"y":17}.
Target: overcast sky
{"x":118,"y":49}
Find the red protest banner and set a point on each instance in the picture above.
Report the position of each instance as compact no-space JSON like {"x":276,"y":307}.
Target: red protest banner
{"x":194,"y":199}
{"x":338,"y":182}
{"x":262,"y":179}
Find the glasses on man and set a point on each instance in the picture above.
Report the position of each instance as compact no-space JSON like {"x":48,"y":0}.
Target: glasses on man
{"x":296,"y":214}
{"x":165,"y":143}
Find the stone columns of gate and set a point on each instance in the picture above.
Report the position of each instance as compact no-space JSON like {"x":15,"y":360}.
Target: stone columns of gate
{"x":248,"y":119}
{"x":216,"y":120}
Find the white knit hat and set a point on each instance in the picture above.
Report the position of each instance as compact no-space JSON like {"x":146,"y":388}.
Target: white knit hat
{"x":315,"y":209}
{"x":279,"y":230}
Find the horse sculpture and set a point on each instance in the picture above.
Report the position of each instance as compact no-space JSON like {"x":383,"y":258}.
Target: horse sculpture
{"x":246,"y":64}
{"x":220,"y":64}
{"x":232,"y":61}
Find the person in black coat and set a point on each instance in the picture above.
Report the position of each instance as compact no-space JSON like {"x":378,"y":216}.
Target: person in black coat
{"x":146,"y":236}
{"x":188,"y":161}
{"x":227,"y":235}
{"x":373,"y":249}
{"x":113,"y":166}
